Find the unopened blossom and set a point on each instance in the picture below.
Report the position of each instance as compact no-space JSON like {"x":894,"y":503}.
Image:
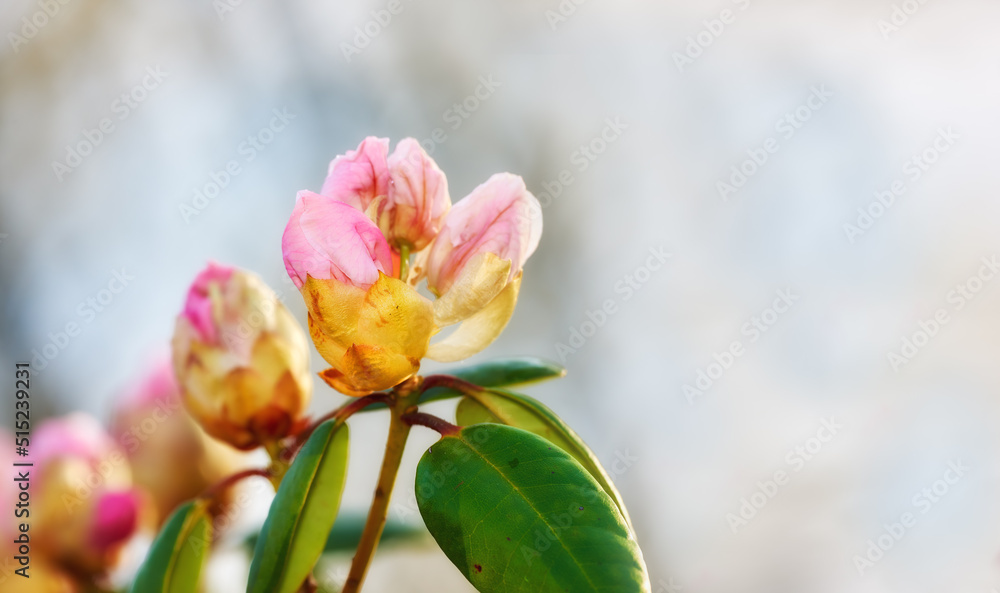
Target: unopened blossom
{"x":475,"y":263}
{"x":172,"y":458}
{"x":417,"y":201}
{"x":371,"y":327}
{"x":241,"y":360}
{"x":345,"y":248}
{"x":83,"y":504}
{"x":360,"y":176}
{"x":404,"y":193}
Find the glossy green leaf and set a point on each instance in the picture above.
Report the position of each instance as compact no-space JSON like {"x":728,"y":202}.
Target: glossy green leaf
{"x":515,"y":513}
{"x":505,"y":372}
{"x":521,"y":411}
{"x":177,"y":556}
{"x":302,"y":513}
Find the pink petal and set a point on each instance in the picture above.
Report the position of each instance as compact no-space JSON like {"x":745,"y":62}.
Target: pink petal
{"x":74,"y":435}
{"x":116,"y":515}
{"x":357,"y":177}
{"x":328,"y":239}
{"x":198,"y":307}
{"x":418,"y":197}
{"x":158,"y":385}
{"x":500,"y":216}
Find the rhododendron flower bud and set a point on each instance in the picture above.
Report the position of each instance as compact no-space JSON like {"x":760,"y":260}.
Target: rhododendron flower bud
{"x":413,"y":211}
{"x":241,"y":359}
{"x":475,"y":263}
{"x":83,"y":506}
{"x":172,"y":458}
{"x":329,"y":239}
{"x":359,"y":176}
{"x":373,"y":329}
{"x":405,"y":194}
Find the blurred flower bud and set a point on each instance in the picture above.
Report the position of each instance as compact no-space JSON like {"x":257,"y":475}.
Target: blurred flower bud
{"x":172,"y":458}
{"x":359,"y":176}
{"x":417,"y":201}
{"x":474,"y":265}
{"x":241,"y":359}
{"x":83,"y":506}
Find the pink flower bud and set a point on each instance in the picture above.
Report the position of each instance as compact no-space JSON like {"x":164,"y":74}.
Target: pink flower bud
{"x":83,"y":505}
{"x":359,"y":176}
{"x":116,"y":516}
{"x":198,"y":306}
{"x":327,"y":239}
{"x":417,"y":201}
{"x":500,"y":217}
{"x":241,"y":360}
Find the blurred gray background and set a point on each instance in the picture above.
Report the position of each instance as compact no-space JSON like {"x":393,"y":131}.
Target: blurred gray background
{"x":844,"y":99}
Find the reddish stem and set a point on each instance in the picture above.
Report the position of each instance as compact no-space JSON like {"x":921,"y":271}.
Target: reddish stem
{"x":443,"y":427}
{"x":213,"y":491}
{"x":451,"y":382}
{"x":344,"y":412}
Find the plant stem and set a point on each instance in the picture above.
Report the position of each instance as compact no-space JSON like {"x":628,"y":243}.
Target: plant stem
{"x":396,"y":442}
{"x":404,"y":261}
{"x":343,"y":412}
{"x":443,"y":427}
{"x":225,"y":483}
{"x":460,"y":385}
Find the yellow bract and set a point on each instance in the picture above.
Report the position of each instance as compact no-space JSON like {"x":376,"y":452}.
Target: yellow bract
{"x":374,"y":338}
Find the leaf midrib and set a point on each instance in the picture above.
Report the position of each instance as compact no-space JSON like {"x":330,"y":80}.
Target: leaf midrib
{"x":499,"y":471}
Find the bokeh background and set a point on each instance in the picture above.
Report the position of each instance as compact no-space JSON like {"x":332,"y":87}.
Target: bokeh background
{"x":669,"y":97}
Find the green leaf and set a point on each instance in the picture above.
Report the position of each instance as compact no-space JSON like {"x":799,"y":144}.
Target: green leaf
{"x":495,"y":373}
{"x":302,"y":513}
{"x":515,"y":513}
{"x":178,"y":554}
{"x":499,"y":373}
{"x":513,"y":409}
